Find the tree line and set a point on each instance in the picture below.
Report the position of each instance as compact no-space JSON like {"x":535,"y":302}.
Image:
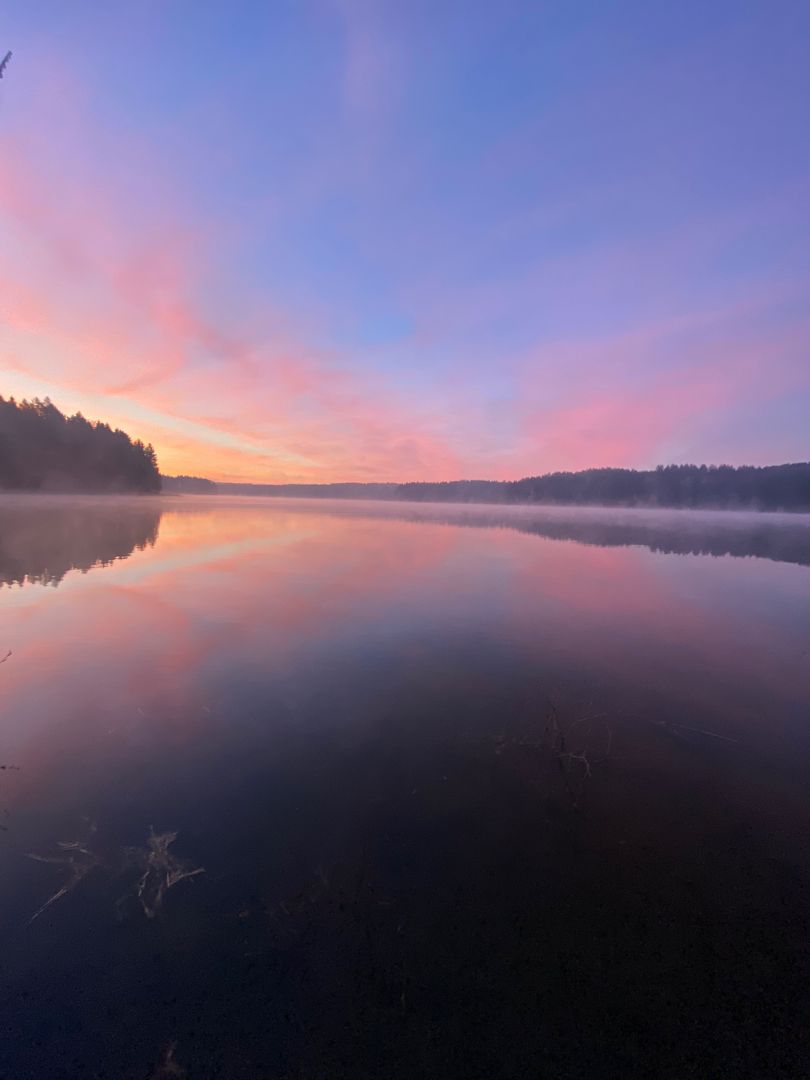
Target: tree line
{"x":769,"y":487}
{"x":41,"y":449}
{"x":188,"y":485}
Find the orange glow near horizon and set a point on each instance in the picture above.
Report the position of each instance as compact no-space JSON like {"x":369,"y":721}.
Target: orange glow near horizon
{"x":124,"y":295}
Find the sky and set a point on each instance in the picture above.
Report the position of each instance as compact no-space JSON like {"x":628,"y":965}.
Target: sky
{"x":319,"y":240}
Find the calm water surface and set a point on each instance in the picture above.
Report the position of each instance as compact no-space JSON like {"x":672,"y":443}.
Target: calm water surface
{"x":319,"y":790}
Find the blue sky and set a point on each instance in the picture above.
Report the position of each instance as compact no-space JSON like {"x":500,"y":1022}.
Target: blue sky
{"x":399,"y":240}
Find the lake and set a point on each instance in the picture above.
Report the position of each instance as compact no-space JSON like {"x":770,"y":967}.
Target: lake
{"x":309,"y":789}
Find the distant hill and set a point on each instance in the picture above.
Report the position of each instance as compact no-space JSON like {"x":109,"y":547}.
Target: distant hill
{"x":770,"y":487}
{"x":41,"y":449}
{"x":315,"y":491}
{"x":188,"y":485}
{"x":197,"y":485}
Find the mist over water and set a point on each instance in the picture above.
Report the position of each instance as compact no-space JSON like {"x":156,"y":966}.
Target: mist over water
{"x":328,"y":789}
{"x":42,"y":538}
{"x":78,"y":532}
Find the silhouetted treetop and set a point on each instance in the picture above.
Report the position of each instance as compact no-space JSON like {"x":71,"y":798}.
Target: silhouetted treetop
{"x":41,"y":449}
{"x":744,"y":487}
{"x":771,"y":487}
{"x":187,"y":485}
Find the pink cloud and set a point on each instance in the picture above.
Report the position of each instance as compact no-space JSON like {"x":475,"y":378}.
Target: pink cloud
{"x":100,"y":303}
{"x":621,"y":404}
{"x":109,"y":287}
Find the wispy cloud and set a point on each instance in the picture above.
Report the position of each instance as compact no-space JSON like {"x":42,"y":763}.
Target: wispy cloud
{"x":455,"y":192}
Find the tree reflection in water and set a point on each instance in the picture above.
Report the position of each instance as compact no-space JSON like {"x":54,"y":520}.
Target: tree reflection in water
{"x":42,"y":539}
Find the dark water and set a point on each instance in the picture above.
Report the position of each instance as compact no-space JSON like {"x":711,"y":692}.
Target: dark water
{"x":457,"y":792}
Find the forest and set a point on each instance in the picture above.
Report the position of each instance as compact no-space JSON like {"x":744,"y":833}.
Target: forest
{"x":41,"y":449}
{"x":188,"y":485}
{"x":771,"y":487}
{"x":743,"y":487}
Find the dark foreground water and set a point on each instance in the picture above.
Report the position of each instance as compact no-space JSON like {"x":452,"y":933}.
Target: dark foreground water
{"x":313,"y":790}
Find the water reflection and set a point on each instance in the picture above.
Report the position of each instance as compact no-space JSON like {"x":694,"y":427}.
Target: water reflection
{"x":42,"y":539}
{"x":470,"y":801}
{"x":781,"y":537}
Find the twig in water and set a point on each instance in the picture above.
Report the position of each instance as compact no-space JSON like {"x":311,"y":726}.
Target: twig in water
{"x":671,"y":726}
{"x":162,"y":871}
{"x":168,"y":1065}
{"x":78,"y":860}
{"x":583,"y":758}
